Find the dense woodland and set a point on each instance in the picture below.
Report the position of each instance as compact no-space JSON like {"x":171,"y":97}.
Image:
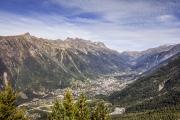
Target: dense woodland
{"x":164,"y":114}
{"x":144,"y":94}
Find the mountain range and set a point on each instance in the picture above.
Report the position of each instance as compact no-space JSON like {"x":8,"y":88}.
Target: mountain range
{"x":133,"y":81}
{"x":38,"y":63}
{"x":43,"y":64}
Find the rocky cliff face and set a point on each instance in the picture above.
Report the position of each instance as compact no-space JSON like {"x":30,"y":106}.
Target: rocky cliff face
{"x":36,"y":63}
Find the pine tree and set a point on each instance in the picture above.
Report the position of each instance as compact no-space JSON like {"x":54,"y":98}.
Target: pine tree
{"x":68,"y":104}
{"x":82,"y":110}
{"x":58,"y":111}
{"x":8,"y":108}
{"x":100,"y":112}
{"x":68,"y":109}
{"x":64,"y":110}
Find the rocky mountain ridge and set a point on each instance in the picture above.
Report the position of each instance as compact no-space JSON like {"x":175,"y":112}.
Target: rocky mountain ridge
{"x":39,"y":63}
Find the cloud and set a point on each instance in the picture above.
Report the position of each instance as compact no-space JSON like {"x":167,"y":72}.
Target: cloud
{"x":120,"y":24}
{"x":50,"y":26}
{"x":119,"y":9}
{"x":166,"y":18}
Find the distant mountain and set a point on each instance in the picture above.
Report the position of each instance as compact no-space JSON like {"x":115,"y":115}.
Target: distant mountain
{"x":37,"y":63}
{"x":145,"y":60}
{"x":161,"y":64}
{"x":157,"y":90}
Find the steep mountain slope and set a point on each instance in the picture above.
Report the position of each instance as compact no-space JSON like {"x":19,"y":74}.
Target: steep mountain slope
{"x":156,"y":56}
{"x":145,"y":60}
{"x":158,"y":90}
{"x":27,"y":65}
{"x":36,"y":63}
{"x":161,"y":64}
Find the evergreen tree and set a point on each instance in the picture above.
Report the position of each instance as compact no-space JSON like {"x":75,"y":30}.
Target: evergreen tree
{"x":68,"y":109}
{"x":82,"y":110}
{"x":63,"y":110}
{"x":68,"y":104}
{"x":101,"y":112}
{"x":8,"y":108}
{"x":58,"y":112}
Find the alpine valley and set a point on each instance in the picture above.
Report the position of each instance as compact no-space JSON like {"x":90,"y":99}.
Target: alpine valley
{"x":131,"y":82}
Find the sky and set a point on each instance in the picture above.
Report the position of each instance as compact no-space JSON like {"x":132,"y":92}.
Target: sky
{"x":123,"y":25}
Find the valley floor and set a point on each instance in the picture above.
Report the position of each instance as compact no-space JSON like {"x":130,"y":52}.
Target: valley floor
{"x":103,"y":86}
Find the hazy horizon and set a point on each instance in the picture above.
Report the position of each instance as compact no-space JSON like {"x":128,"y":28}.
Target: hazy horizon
{"x":123,"y":25}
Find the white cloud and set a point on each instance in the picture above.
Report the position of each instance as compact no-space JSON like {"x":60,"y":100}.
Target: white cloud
{"x":115,"y":10}
{"x":123,"y":26}
{"x":166,"y":18}
{"x":49,"y":26}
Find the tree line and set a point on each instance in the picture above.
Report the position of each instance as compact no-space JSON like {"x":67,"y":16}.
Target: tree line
{"x":66,"y":109}
{"x":69,"y":109}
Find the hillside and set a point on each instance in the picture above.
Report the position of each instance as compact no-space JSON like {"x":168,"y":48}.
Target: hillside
{"x":143,"y":61}
{"x":158,"y":90}
{"x":39,"y":64}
